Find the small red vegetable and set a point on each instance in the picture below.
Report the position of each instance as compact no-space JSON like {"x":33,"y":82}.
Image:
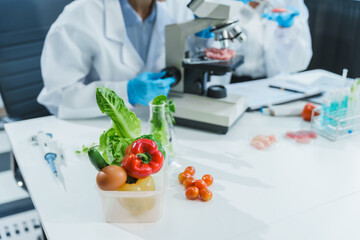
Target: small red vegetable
{"x":200,"y":184}
{"x":190,"y":170}
{"x":183,"y":176}
{"x":188,"y":182}
{"x":192,"y":193}
{"x":208,"y":179}
{"x":307,"y":112}
{"x":143,"y":159}
{"x":205,"y":194}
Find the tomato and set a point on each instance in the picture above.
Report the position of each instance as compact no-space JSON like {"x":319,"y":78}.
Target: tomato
{"x":190,"y":170}
{"x":183,"y":176}
{"x":205,"y":194}
{"x":200,"y":184}
{"x":208,"y":179}
{"x":307,"y":112}
{"x":192,"y":193}
{"x":188,"y":182}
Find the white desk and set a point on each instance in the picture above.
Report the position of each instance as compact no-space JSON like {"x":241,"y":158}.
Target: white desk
{"x":280,"y":194}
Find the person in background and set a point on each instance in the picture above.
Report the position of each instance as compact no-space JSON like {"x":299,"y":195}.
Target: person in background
{"x":278,"y":38}
{"x":118,"y":44}
{"x":277,"y":41}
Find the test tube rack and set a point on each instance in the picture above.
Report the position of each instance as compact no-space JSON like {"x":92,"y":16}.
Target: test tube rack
{"x":336,"y":125}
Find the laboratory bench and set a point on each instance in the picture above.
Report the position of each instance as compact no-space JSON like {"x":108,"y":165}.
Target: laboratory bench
{"x":290,"y":191}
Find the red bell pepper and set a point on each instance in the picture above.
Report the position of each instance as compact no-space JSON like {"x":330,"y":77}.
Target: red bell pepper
{"x":142,"y":159}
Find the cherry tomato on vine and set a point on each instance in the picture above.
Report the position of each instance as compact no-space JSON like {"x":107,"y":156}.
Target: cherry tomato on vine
{"x":208,"y":179}
{"x":190,"y":170}
{"x":192,"y":193}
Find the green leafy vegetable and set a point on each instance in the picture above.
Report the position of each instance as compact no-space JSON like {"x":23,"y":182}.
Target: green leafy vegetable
{"x":169,"y":106}
{"x":169,"y":110}
{"x":85,"y":149}
{"x":159,"y":100}
{"x":162,"y":119}
{"x":113,"y":147}
{"x":125,"y":122}
{"x":158,"y":125}
{"x":126,"y":128}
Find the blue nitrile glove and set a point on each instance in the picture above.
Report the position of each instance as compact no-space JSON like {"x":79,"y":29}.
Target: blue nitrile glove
{"x":285,"y":19}
{"x":204,"y":33}
{"x":146,"y":86}
{"x":244,"y":1}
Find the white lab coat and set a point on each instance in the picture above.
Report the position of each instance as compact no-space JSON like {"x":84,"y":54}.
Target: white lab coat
{"x":87,"y":47}
{"x":269,"y":49}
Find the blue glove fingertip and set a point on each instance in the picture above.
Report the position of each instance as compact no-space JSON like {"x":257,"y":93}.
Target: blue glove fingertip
{"x":206,"y":33}
{"x":162,"y":74}
{"x":156,"y":76}
{"x":244,"y":1}
{"x":164,"y":82}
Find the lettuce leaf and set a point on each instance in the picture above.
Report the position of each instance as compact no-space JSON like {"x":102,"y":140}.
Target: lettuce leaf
{"x":159,"y":100}
{"x":159,"y":127}
{"x":113,"y":147}
{"x":125,"y":122}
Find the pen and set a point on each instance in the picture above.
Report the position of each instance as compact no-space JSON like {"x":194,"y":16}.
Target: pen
{"x":286,"y":89}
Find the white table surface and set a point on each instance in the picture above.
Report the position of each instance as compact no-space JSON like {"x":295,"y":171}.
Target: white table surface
{"x":289,"y":190}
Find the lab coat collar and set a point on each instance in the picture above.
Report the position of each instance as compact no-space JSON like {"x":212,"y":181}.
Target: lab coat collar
{"x":114,"y":22}
{"x":158,"y":35}
{"x":115,"y":30}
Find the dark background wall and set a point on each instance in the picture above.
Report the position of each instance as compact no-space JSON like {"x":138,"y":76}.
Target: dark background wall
{"x":335,"y":30}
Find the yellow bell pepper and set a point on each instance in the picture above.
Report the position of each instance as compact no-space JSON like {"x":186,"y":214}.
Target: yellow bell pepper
{"x":137,"y":206}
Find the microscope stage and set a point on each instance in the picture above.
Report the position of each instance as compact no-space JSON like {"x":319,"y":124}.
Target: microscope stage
{"x":209,"y":114}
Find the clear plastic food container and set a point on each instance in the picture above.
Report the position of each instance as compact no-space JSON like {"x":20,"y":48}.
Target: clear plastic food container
{"x":135,"y":206}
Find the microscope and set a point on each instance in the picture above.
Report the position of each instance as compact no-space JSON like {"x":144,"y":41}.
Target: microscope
{"x":198,"y":103}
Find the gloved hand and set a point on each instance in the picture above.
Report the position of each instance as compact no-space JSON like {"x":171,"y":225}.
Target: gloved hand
{"x":284,"y":19}
{"x":146,"y":86}
{"x":244,"y":1}
{"x":205,"y":33}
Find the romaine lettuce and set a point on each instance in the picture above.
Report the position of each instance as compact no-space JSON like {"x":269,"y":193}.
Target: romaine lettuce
{"x":125,"y":122}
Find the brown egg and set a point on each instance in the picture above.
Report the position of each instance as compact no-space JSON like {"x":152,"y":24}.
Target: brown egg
{"x":111,"y":178}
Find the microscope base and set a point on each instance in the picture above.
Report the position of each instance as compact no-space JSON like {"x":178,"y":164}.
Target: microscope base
{"x":209,"y":114}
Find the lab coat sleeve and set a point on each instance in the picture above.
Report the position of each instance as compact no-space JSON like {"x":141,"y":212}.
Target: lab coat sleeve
{"x":65,"y":62}
{"x":287,"y":50}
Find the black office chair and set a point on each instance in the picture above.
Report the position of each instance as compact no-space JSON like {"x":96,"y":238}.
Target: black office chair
{"x":23,"y":27}
{"x":335,"y":31}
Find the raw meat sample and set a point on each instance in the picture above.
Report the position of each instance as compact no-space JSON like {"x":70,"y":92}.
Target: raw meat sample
{"x":302,"y":136}
{"x":258,"y":145}
{"x":261,"y":142}
{"x":219,"y":54}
